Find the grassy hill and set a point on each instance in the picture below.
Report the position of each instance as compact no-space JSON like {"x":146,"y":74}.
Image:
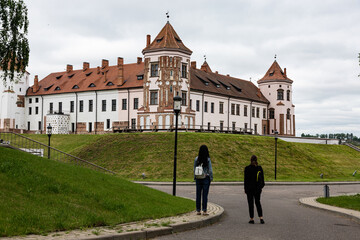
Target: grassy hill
{"x":39,"y":195}
{"x":131,"y":154}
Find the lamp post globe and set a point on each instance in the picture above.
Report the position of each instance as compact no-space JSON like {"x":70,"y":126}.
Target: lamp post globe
{"x":276,"y":138}
{"x":49,"y":133}
{"x":177,"y":110}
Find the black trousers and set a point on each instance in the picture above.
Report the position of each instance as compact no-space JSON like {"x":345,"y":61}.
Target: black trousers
{"x":250,"y":197}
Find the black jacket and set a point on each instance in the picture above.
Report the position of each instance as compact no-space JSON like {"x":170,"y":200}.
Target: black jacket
{"x":253,"y":179}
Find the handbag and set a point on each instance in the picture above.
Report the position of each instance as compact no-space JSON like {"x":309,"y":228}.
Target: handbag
{"x":199,"y":172}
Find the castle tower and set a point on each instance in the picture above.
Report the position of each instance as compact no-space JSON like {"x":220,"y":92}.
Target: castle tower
{"x":166,"y":74}
{"x":277,"y":88}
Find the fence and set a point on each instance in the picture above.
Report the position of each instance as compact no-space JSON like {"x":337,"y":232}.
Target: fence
{"x":22,"y":143}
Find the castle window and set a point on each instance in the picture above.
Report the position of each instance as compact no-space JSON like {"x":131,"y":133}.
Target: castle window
{"x":30,"y":110}
{"x":264,"y":113}
{"x":36,"y":100}
{"x":212,"y":107}
{"x":232,"y":109}
{"x":280,"y":94}
{"x":36,"y":110}
{"x":153,"y":98}
{"x":198,"y":105}
{"x":184,"y":70}
{"x":70,"y":76}
{"x":57,"y":88}
{"x":271,"y":113}
{"x":271,"y":73}
{"x":136,"y":103}
{"x":253,"y":111}
{"x":171,"y":73}
{"x":88,"y":74}
{"x":81,"y":106}
{"x":90,"y":105}
{"x":140,"y":77}
{"x":103,"y":107}
{"x":288,"y":113}
{"x":30,"y":100}
{"x":154,"y":70}
{"x":71,"y":106}
{"x":113,"y":105}
{"x":221,"y":107}
{"x":75,"y":87}
{"x":159,"y":39}
{"x":238,"y":109}
{"x":51,"y":108}
{"x":183,"y":98}
{"x":124,"y":104}
{"x":58,"y":77}
{"x":92,"y":85}
{"x":257,"y":112}
{"x":109,"y":84}
{"x":245,"y":110}
{"x":205,"y":106}
{"x":288,"y":95}
{"x":60,"y":107}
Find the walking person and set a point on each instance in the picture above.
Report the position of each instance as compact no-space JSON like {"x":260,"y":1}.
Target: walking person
{"x":203,"y":182}
{"x":253,"y":184}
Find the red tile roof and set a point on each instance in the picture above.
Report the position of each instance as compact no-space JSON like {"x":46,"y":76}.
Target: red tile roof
{"x":167,"y":39}
{"x":89,"y":80}
{"x":210,"y":82}
{"x":275,"y":73}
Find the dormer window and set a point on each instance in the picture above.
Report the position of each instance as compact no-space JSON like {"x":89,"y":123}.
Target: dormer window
{"x":206,"y":83}
{"x":109,"y":84}
{"x":58,"y":77}
{"x":88,"y":74}
{"x":271,"y":73}
{"x":140,"y":77}
{"x":92,"y":85}
{"x":75,"y":87}
{"x":70,"y":76}
{"x":57,"y":88}
{"x":178,"y":40}
{"x":46,"y":89}
{"x":227,"y":88}
{"x":159,"y":39}
{"x":217,"y":85}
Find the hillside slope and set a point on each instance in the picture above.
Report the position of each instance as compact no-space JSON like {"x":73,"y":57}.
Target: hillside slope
{"x":132,"y":154}
{"x":39,"y":195}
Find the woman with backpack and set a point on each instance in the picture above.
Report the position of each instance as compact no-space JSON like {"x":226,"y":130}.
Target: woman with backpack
{"x":253,"y":184}
{"x":203,"y":175}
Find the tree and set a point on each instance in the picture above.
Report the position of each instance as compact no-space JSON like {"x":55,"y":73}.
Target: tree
{"x":14,"y":45}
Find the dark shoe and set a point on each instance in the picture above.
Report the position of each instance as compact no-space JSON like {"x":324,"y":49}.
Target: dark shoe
{"x":251,"y":222}
{"x":262,"y":221}
{"x":198,"y":213}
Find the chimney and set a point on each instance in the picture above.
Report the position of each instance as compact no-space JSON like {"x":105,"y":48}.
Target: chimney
{"x":98,"y":70}
{"x":193,"y":64}
{"x":228,"y":75}
{"x":216,"y":72}
{"x":148,"y":40}
{"x":120,"y":61}
{"x":104,"y":63}
{"x":69,"y":68}
{"x":285,"y":72}
{"x":120,"y":79}
{"x":36,"y":84}
{"x":86,"y":65}
{"x":139,"y":60}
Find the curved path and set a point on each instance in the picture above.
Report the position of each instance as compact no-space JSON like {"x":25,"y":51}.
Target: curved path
{"x":285,"y":217}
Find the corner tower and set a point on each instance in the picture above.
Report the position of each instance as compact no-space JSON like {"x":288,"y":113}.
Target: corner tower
{"x":277,"y":88}
{"x":166,"y":74}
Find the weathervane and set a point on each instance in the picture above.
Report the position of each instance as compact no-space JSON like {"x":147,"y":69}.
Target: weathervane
{"x":275,"y":57}
{"x":167,"y":15}
{"x":205,"y":58}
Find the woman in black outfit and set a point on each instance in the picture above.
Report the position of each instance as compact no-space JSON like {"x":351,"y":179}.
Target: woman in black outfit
{"x":253,"y":184}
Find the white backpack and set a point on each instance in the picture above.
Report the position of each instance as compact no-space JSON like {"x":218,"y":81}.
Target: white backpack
{"x":199,"y":172}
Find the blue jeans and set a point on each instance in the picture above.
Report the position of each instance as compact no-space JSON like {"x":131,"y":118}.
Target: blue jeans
{"x":202,"y":189}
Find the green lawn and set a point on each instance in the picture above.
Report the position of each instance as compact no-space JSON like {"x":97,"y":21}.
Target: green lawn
{"x":130,"y":154}
{"x":350,"y":202}
{"x":39,"y":196}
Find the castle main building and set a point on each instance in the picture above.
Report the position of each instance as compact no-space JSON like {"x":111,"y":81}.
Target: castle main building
{"x":140,"y":96}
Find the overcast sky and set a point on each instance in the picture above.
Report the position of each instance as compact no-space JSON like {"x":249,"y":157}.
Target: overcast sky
{"x":317,"y":41}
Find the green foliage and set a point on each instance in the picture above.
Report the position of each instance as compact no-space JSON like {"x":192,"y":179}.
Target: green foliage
{"x":14,"y":45}
{"x":350,"y":202}
{"x":40,"y":196}
{"x":131,"y":154}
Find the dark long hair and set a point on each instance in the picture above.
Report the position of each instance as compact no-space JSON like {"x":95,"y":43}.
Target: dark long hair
{"x":203,"y":156}
{"x":254,"y":160}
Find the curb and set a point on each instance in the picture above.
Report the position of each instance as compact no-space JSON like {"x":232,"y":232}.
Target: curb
{"x":173,"y":228}
{"x":242,"y":183}
{"x":311,"y":202}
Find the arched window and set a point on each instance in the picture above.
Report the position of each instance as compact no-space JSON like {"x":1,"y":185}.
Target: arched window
{"x":288,"y":113}
{"x":280,"y":94}
{"x":271,"y":113}
{"x":288,"y":95}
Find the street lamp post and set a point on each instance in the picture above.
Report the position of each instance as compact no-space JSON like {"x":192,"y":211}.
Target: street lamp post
{"x":177,"y":109}
{"x":276,"y":138}
{"x":49,"y":132}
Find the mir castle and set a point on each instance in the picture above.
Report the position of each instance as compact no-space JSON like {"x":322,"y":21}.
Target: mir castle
{"x":139,"y":96}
